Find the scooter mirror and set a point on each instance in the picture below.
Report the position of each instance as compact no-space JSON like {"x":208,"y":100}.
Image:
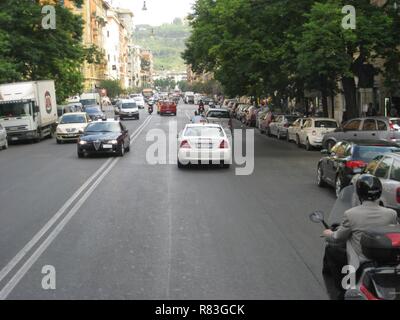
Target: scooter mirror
{"x":317,"y":216}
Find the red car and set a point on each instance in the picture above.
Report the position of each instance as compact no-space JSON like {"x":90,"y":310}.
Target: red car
{"x":166,"y":107}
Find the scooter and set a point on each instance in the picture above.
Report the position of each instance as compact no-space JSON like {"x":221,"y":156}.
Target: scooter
{"x":379,"y":278}
{"x":150,"y":109}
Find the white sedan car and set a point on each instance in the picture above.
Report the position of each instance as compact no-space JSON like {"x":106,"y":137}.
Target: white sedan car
{"x":204,"y":144}
{"x":139,"y":101}
{"x":313,"y":130}
{"x":71,"y":126}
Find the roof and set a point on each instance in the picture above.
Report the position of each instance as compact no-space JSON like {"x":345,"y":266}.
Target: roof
{"x":203,"y":125}
{"x":377,"y":143}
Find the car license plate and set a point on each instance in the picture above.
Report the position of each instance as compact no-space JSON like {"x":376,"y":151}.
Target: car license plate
{"x":107,"y":146}
{"x":14,"y":138}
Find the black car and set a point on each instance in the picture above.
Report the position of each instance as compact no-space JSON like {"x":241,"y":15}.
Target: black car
{"x":94,"y":112}
{"x":104,"y":136}
{"x":348,"y":158}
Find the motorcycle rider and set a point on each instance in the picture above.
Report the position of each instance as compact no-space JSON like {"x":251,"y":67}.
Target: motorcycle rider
{"x":201,"y":106}
{"x":356,"y":220}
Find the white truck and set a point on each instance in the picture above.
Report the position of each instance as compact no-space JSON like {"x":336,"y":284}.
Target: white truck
{"x":90,"y":99}
{"x":28,"y":110}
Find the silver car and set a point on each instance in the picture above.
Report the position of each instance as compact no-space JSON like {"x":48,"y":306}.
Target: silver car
{"x":219,"y":116}
{"x":279,"y":127}
{"x":3,"y":138}
{"x":387,"y":169}
{"x":368,"y":128}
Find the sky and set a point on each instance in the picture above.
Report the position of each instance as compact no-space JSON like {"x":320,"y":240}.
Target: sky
{"x":158,"y":11}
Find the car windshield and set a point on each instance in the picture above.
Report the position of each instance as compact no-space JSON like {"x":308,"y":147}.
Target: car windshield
{"x":368,"y":153}
{"x":103,"y":127}
{"x":325,"y":124}
{"x":73,"y":118}
{"x":93,"y":110}
{"x":204,"y":132}
{"x":87,"y":102}
{"x":15,"y":109}
{"x":218,"y":114}
{"x":128,"y":105}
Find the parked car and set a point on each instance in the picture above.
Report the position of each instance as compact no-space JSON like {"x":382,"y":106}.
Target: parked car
{"x":251,"y":114}
{"x":348,"y":158}
{"x":387,"y":168}
{"x":313,"y":131}
{"x":241,"y":111}
{"x":261,"y":114}
{"x":3,"y":138}
{"x":204,"y":144}
{"x":71,"y":125}
{"x":266,"y":121}
{"x":279,"y":127}
{"x":104,"y":136}
{"x":219,"y":116}
{"x":294,"y":129}
{"x":375,"y":128}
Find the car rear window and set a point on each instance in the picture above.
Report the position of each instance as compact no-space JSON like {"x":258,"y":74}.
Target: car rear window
{"x":204,"y":132}
{"x":368,"y":153}
{"x":218,"y":114}
{"x":73,"y":118}
{"x":325,"y":124}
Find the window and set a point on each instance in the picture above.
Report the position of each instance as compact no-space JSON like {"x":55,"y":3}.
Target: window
{"x":395,"y":172}
{"x":383,"y":168}
{"x":369,"y":125}
{"x":325,"y":124}
{"x":373,"y":165}
{"x":307,"y":124}
{"x":382,"y":126}
{"x":341,"y":149}
{"x":353,"y":125}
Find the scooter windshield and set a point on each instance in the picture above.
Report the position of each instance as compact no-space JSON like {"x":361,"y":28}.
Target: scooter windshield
{"x":346,"y":200}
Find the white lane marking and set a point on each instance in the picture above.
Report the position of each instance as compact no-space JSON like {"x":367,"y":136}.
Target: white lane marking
{"x":187,"y":115}
{"x":20,"y":255}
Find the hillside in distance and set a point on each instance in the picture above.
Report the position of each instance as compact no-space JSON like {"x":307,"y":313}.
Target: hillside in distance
{"x":167,"y":42}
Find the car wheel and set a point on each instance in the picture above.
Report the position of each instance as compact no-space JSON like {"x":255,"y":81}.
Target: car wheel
{"x":320,"y":179}
{"x":269,"y":133}
{"x":180,"y":165}
{"x":121,"y":150}
{"x":120,"y":118}
{"x":128,"y":148}
{"x":338,"y":186}
{"x":287,"y":137}
{"x":308,"y":145}
{"x":80,"y":154}
{"x":58,"y":141}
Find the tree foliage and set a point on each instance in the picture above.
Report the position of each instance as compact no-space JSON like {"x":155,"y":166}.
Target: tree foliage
{"x":29,"y":52}
{"x":282,"y":47}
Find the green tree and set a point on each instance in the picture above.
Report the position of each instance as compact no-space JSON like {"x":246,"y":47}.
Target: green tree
{"x":113,"y":87}
{"x":29,"y":52}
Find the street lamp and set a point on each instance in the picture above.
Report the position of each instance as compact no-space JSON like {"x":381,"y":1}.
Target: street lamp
{"x":144,"y":6}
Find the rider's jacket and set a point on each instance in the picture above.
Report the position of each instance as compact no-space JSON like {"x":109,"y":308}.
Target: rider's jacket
{"x":357,"y":220}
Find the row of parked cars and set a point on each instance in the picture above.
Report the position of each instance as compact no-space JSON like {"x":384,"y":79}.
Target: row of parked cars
{"x":360,"y":145}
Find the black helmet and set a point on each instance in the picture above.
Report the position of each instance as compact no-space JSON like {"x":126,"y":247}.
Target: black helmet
{"x":368,"y":187}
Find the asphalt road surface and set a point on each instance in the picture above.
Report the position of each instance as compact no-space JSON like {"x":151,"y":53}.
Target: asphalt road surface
{"x":121,"y":228}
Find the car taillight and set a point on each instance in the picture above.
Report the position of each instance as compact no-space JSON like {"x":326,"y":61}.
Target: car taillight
{"x":398,"y":195}
{"x":366,"y":293}
{"x":355,"y":164}
{"x":185,"y":145}
{"x":391,"y":126}
{"x":223,"y":144}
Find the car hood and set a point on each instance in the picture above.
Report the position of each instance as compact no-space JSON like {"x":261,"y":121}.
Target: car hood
{"x":129,"y":110}
{"x":71,"y":126}
{"x":102,"y":136}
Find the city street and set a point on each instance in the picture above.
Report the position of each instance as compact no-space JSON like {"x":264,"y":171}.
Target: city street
{"x":120,"y":228}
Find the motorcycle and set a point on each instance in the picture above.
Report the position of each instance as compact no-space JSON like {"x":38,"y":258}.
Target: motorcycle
{"x":150,"y":109}
{"x":201,"y":110}
{"x":379,"y":277}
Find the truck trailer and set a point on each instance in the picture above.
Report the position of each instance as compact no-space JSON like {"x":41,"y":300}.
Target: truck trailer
{"x":28,"y":110}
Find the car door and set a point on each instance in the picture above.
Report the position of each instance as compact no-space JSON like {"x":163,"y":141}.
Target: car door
{"x":274,"y":125}
{"x":391,"y":186}
{"x":382,"y":172}
{"x":339,"y":153}
{"x":304,"y":130}
{"x":369,"y":130}
{"x":384,"y":131}
{"x":351,"y":130}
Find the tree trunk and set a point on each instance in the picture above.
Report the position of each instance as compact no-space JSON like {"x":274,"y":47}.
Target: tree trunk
{"x":325,"y":104}
{"x":349,"y":89}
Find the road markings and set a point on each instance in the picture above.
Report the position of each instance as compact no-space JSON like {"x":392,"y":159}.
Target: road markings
{"x":105,"y":169}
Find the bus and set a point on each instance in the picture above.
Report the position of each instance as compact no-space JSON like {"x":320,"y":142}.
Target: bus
{"x":147,"y":93}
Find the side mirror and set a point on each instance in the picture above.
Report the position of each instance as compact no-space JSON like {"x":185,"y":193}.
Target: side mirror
{"x":317,"y":216}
